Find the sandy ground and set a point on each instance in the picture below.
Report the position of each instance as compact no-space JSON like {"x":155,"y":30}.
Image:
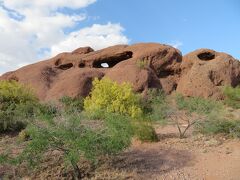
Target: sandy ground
{"x":193,"y":158}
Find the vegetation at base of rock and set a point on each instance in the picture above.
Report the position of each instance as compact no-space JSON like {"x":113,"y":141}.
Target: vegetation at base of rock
{"x":197,"y":104}
{"x":213,"y":116}
{"x":17,"y":104}
{"x":72,"y":105}
{"x":222,"y":126}
{"x":109,"y":96}
{"x":191,"y":111}
{"x":75,"y":136}
{"x":232,"y":96}
{"x":155,"y":106}
{"x":104,"y":123}
{"x":65,"y":128}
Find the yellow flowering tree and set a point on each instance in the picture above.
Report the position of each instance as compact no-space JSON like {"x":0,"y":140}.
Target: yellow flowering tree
{"x":110,"y":96}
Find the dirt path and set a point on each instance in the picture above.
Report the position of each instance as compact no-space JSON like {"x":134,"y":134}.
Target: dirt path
{"x":193,"y":158}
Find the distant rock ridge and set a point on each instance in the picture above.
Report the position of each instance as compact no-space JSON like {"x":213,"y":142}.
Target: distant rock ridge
{"x":145,"y":65}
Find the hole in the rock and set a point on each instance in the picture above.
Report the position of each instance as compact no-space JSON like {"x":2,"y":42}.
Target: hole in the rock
{"x":165,"y":73}
{"x":81,"y":65}
{"x":206,"y":56}
{"x":105,"y":65}
{"x":111,"y":61}
{"x":65,"y":66}
{"x":57,"y":62}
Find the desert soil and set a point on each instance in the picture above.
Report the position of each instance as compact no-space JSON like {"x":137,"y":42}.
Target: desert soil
{"x":196,"y":157}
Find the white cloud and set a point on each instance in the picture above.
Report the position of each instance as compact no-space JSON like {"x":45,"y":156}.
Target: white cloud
{"x":96,"y":36}
{"x":47,"y":4}
{"x":32,"y":29}
{"x":176,"y":44}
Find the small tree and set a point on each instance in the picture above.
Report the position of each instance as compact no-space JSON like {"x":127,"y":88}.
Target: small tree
{"x":109,"y":96}
{"x":17,"y":103}
{"x":180,"y":117}
{"x":198,"y":105}
{"x":74,"y":137}
{"x":194,"y":110}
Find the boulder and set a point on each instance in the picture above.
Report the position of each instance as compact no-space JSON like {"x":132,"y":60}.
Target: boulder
{"x":202,"y":73}
{"x":205,"y":72}
{"x":73,"y":83}
{"x":141,"y":79}
{"x":71,"y":73}
{"x":83,"y":50}
{"x":152,"y":65}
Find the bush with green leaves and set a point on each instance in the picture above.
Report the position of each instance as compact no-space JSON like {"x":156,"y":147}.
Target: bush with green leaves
{"x":197,"y":104}
{"x":75,"y":137}
{"x":220,"y":126}
{"x":71,"y":104}
{"x":144,"y":131}
{"x":17,"y":104}
{"x":155,"y":106}
{"x":47,"y":110}
{"x":109,"y":96}
{"x":195,"y":110}
{"x":232,"y":96}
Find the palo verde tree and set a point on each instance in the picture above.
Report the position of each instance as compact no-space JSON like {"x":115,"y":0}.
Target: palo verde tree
{"x":73,"y":136}
{"x":111,"y":97}
{"x":17,"y":103}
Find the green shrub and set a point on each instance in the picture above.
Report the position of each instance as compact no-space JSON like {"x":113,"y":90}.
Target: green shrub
{"x":71,"y":105}
{"x":144,"y":131}
{"x":47,"y":111}
{"x":155,"y":106}
{"x":12,"y":92}
{"x":23,"y":135}
{"x":119,"y":133}
{"x":232,"y":96}
{"x":17,"y":104}
{"x":109,"y":96}
{"x":197,"y":104}
{"x":74,"y":137}
{"x":221,"y":126}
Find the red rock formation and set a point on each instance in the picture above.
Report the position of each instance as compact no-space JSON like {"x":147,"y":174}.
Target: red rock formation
{"x":205,"y":72}
{"x":146,"y":65}
{"x":72,"y":73}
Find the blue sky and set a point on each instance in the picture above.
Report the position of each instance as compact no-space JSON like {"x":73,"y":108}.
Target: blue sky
{"x":196,"y":24}
{"x":38,"y":29}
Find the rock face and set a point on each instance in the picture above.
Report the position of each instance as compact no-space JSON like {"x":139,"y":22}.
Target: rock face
{"x":146,"y":65}
{"x":205,"y":72}
{"x":71,"y":74}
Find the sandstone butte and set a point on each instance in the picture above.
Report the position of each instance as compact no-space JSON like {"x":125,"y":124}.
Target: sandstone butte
{"x":202,"y":73}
